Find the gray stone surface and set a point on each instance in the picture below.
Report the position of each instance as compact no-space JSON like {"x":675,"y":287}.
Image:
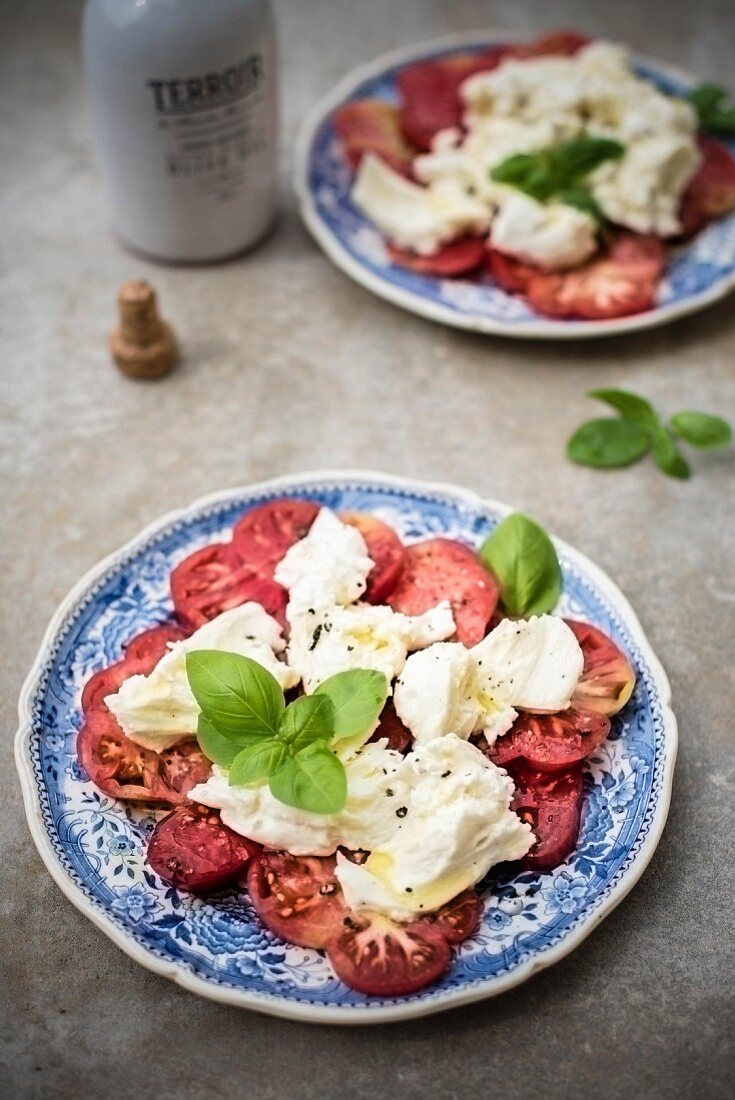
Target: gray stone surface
{"x":289,"y":366}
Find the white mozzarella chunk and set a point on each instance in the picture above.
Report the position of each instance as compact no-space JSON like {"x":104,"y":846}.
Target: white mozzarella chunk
{"x":455,"y":824}
{"x":158,"y":710}
{"x":328,"y":566}
{"x":533,"y":664}
{"x":552,"y":235}
{"x":415,"y":217}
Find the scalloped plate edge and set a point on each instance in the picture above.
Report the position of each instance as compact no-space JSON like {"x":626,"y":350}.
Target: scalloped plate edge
{"x":272,"y":1005}
{"x":413,"y":302}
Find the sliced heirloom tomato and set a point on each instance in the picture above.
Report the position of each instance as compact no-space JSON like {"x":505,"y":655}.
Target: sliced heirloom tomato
{"x":297,"y":897}
{"x":192,"y":850}
{"x":183,"y":766}
{"x":152,"y":644}
{"x":557,"y":43}
{"x":386,"y":550}
{"x":391,"y":726}
{"x":214,"y":579}
{"x":372,"y":126}
{"x":607,"y":679}
{"x":620,"y":282}
{"x":509,"y":273}
{"x":263,"y":535}
{"x":711,"y":192}
{"x":442,"y":569}
{"x":551,"y":742}
{"x":551,"y":805}
{"x":377,"y":956}
{"x":448,"y":262}
{"x":141,"y":656}
{"x":458,"y":919}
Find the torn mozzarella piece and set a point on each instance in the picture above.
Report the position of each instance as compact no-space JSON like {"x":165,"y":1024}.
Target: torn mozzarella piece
{"x":328,"y":566}
{"x":414,"y":217}
{"x":533,"y":664}
{"x":158,"y":710}
{"x":554,"y":236}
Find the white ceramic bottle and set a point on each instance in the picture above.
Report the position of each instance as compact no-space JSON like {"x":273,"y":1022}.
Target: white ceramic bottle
{"x":183,"y":101}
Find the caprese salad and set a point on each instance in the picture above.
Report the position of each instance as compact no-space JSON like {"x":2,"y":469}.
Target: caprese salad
{"x":355,"y":730}
{"x":551,"y":169}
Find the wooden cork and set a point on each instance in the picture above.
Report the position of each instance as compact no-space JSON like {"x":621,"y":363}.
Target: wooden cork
{"x":143,"y":346}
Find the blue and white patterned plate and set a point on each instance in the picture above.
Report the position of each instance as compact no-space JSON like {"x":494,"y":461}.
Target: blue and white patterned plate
{"x":697,"y":275}
{"x":94,"y":846}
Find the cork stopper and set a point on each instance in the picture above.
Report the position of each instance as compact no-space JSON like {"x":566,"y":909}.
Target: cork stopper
{"x":143,"y":346}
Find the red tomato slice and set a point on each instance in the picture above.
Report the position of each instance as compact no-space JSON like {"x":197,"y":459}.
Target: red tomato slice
{"x":297,"y":897}
{"x":386,"y":550}
{"x":607,"y":679}
{"x":119,"y":767}
{"x":183,"y":766}
{"x":442,"y":569}
{"x":192,"y":850}
{"x":103,"y":683}
{"x":390,"y":726}
{"x":263,"y":536}
{"x":151,"y":645}
{"x":452,"y":260}
{"x":510,"y":274}
{"x":141,"y":656}
{"x":376,"y":956}
{"x":552,"y":805}
{"x":429,"y":92}
{"x":214,"y":579}
{"x":711,"y":193}
{"x":563,"y":43}
{"x":458,"y":919}
{"x":372,"y":126}
{"x":551,"y":742}
{"x":618,"y":283}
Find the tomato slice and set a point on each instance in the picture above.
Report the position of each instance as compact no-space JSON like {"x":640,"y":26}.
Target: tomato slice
{"x":297,"y":897}
{"x":390,"y":726}
{"x":183,"y":766}
{"x":429,"y":92}
{"x":562,"y":43}
{"x":119,"y":767}
{"x":192,"y":850}
{"x":607,"y":679}
{"x":551,"y":742}
{"x":152,"y":644}
{"x":214,"y":579}
{"x":372,"y":126}
{"x":450,"y":261}
{"x":552,"y":806}
{"x":386,"y":550}
{"x":458,"y":919}
{"x":141,"y":656}
{"x":618,"y":283}
{"x":377,"y":956}
{"x":711,"y":193}
{"x":263,"y":536}
{"x":442,"y":569}
{"x":509,"y":274}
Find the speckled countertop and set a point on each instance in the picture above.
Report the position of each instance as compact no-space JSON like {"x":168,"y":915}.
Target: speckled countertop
{"x":289,"y":366}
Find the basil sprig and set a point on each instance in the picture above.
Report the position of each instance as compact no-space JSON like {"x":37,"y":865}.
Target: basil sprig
{"x":559,"y":171}
{"x":612,"y":442}
{"x":709,"y":101}
{"x":246,"y":727}
{"x":523,"y":558}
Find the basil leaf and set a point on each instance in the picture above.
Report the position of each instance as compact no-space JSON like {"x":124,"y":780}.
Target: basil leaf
{"x":310,"y":718}
{"x":257,"y":761}
{"x":709,"y":102}
{"x":357,"y":698}
{"x":666,"y":454}
{"x":702,"y":430}
{"x":524,"y":560}
{"x":215,"y":746}
{"x":608,"y":443}
{"x":235,"y":693}
{"x":582,"y":199}
{"x":556,"y":168}
{"x":629,"y":405}
{"x":582,"y":155}
{"x":313,"y":780}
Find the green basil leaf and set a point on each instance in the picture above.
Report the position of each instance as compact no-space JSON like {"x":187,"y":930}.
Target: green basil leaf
{"x":310,"y":718}
{"x":515,"y":169}
{"x":582,"y":199}
{"x":608,"y":443}
{"x":629,"y":405}
{"x":258,"y":761}
{"x":312,"y":780}
{"x":235,"y":693}
{"x":357,"y":698}
{"x":702,"y":430}
{"x":524,"y":560}
{"x":216,"y":747}
{"x":556,"y":169}
{"x":666,"y":454}
{"x":709,"y":103}
{"x":580,"y":156}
